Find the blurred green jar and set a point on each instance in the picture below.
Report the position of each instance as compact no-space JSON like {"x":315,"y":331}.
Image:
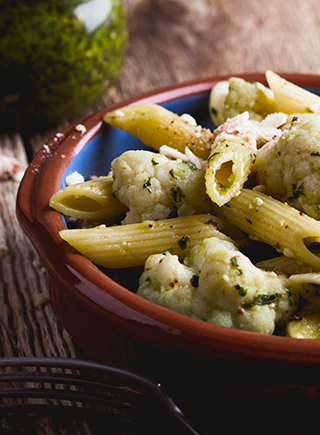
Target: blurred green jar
{"x":57,"y":57}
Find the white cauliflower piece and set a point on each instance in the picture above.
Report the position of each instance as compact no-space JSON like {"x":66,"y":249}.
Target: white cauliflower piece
{"x":235,"y":96}
{"x":154,"y":187}
{"x":218,"y":284}
{"x":290,"y":167}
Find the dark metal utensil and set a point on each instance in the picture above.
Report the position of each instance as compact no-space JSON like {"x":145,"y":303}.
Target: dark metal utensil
{"x":115,"y":397}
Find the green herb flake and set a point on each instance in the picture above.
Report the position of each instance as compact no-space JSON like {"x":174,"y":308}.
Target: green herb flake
{"x":147,"y":184}
{"x":296,"y":191}
{"x":262,"y":300}
{"x":234,"y":261}
{"x":289,"y":297}
{"x":191,"y":165}
{"x":177,"y":193}
{"x":173,"y":213}
{"x":173,"y":175}
{"x":183,"y":242}
{"x":242,"y":291}
{"x":316,"y":154}
{"x":154,"y":162}
{"x":213,"y":156}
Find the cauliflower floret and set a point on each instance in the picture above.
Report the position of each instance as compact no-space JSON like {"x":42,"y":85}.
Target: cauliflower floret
{"x":154,"y":187}
{"x":217,"y":283}
{"x":236,"y":96}
{"x":290,"y":167}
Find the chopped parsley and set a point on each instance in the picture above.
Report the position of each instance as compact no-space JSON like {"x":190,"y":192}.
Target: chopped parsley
{"x":213,"y":156}
{"x":191,"y":165}
{"x":289,"y":297}
{"x":147,"y":184}
{"x":173,"y":175}
{"x":183,"y":242}
{"x":262,"y":300}
{"x":242,"y":291}
{"x":296,"y":192}
{"x":173,"y":213}
{"x":177,"y":193}
{"x":234,"y":261}
{"x":154,"y":162}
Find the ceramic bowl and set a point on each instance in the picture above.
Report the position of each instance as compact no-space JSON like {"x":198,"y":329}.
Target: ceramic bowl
{"x":107,"y":320}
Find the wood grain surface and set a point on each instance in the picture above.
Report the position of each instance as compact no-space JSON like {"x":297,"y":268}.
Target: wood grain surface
{"x":170,"y":41}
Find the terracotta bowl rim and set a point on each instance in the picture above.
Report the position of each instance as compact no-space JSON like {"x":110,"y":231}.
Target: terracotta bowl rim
{"x":77,"y":275}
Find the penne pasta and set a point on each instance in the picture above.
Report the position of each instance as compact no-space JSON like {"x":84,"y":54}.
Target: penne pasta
{"x":268,"y":220}
{"x":228,"y":168}
{"x":306,"y":324}
{"x":291,"y":98}
{"x":130,"y":245}
{"x":308,"y":285}
{"x":284,"y":265}
{"x":90,"y":200}
{"x":156,"y":126}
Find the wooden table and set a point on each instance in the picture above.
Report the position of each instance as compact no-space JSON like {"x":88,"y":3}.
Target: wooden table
{"x":170,"y":41}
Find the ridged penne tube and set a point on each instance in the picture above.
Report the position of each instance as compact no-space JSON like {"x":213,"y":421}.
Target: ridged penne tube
{"x":291,"y":98}
{"x":284,"y":265}
{"x":306,"y":325}
{"x":228,"y":168}
{"x":308,"y":285}
{"x":155,"y":126}
{"x":92,"y":200}
{"x":268,"y":220}
{"x":130,"y":245}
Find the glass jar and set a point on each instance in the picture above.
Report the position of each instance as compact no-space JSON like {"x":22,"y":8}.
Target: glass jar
{"x":57,"y":57}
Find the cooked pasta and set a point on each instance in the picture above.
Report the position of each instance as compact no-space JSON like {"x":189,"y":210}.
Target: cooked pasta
{"x":228,"y":168}
{"x":155,"y":126}
{"x":268,"y":220}
{"x":284,"y":265}
{"x":291,"y":98}
{"x":306,"y":324}
{"x":90,"y":200}
{"x":130,"y":245}
{"x":308,"y":285}
{"x":226,"y":157}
